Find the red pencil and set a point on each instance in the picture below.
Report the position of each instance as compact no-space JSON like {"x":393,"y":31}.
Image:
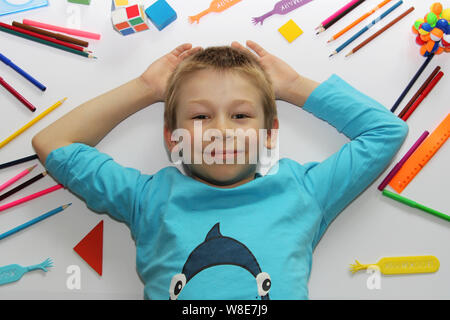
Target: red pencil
{"x":40,"y":36}
{"x":423,"y":95}
{"x":19,"y":97}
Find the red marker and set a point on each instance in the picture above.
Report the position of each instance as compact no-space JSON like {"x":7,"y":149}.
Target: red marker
{"x":19,"y":97}
{"x":423,"y":95}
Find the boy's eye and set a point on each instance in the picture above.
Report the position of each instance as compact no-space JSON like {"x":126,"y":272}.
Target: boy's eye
{"x":241,"y":115}
{"x":200,"y":117}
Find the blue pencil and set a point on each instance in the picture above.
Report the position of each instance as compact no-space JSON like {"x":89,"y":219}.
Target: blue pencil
{"x":33,"y":221}
{"x":358,"y":34}
{"x":22,"y":72}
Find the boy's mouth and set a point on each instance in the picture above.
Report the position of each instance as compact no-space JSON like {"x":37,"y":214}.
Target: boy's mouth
{"x":225,"y":153}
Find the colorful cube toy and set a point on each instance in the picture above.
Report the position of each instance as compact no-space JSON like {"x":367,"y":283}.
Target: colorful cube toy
{"x":128,"y":19}
{"x":161,"y":14}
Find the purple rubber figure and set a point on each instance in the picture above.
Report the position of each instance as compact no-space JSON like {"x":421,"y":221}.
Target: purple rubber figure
{"x":282,"y":7}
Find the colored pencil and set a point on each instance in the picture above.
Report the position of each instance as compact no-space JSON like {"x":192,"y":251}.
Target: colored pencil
{"x":399,"y":165}
{"x":24,"y":74}
{"x":423,"y":95}
{"x":366,"y":28}
{"x":357,"y":21}
{"x":17,"y":177}
{"x":18,"y":161}
{"x":424,"y":85}
{"x":74,"y":32}
{"x":23,"y":185}
{"x":44,"y":38}
{"x":33,"y":221}
{"x":414,"y":204}
{"x":32,"y":122}
{"x":17,"y":95}
{"x":338,"y":15}
{"x":58,"y":36}
{"x":390,"y":24}
{"x":411,"y":83}
{"x":31,"y":197}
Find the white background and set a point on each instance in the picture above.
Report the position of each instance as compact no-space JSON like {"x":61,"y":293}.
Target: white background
{"x":370,"y":228}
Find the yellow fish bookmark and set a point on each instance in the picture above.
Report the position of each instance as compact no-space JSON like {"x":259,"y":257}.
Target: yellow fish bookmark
{"x":402,"y":265}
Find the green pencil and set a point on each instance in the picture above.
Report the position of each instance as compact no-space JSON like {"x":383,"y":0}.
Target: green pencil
{"x":415,"y":204}
{"x":51,"y":44}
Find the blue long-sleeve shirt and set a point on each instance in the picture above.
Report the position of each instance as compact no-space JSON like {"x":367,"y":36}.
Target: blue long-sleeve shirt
{"x":254,"y":241}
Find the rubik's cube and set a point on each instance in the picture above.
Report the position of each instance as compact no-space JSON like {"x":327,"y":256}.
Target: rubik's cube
{"x":128,"y":19}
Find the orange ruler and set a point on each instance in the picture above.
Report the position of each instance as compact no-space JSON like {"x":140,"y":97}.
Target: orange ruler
{"x":421,"y":156}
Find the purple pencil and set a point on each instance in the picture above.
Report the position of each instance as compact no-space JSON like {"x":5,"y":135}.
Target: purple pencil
{"x":399,"y":165}
{"x":282,"y":7}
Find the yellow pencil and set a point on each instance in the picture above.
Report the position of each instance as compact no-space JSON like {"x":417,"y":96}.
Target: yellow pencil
{"x":29,"y":124}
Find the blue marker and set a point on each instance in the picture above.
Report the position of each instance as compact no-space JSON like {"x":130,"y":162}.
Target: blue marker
{"x":23,"y":73}
{"x":358,"y":34}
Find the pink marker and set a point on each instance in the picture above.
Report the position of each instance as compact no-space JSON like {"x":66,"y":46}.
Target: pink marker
{"x":18,"y":177}
{"x":399,"y":165}
{"x":30,"y":197}
{"x":341,"y":11}
{"x":74,"y":32}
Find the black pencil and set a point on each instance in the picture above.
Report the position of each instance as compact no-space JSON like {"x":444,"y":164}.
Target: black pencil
{"x":18,"y":161}
{"x":23,"y":185}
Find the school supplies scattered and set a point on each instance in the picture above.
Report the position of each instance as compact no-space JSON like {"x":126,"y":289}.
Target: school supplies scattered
{"x":90,"y":248}
{"x":215,"y":6}
{"x":8,"y":7}
{"x":129,"y":20}
{"x":390,"y":24}
{"x":282,"y":7}
{"x":161,"y":14}
{"x":32,"y":122}
{"x":34,"y":221}
{"x":414,"y":204}
{"x":335,"y":17}
{"x":357,"y":21}
{"x":421,"y":156}
{"x":23,"y":185}
{"x":24,"y":74}
{"x":423,"y":95}
{"x":401,"y":265}
{"x":30,"y":197}
{"x":14,"y":272}
{"x":73,"y":32}
{"x":58,"y":36}
{"x":17,"y":177}
{"x":411,"y":83}
{"x":399,"y":165}
{"x":17,"y":95}
{"x":432,"y":32}
{"x":366,"y":28}
{"x":419,"y":92}
{"x":18,"y":161}
{"x":290,"y":31}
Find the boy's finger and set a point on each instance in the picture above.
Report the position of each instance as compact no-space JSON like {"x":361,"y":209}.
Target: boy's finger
{"x":180,"y":49}
{"x":190,"y":52}
{"x":237,"y":45}
{"x":257,"y":48}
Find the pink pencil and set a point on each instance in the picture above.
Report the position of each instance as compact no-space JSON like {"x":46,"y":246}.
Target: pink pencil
{"x":74,"y":32}
{"x":18,"y":177}
{"x":30,"y":197}
{"x":334,"y":15}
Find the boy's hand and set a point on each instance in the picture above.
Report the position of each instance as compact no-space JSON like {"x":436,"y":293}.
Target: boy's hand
{"x":287,"y":83}
{"x":158,"y":73}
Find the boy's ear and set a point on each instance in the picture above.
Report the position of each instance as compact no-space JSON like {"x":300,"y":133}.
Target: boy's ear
{"x":271,"y":141}
{"x":167,"y":135}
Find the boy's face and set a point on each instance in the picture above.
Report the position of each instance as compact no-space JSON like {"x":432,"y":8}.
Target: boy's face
{"x":217,"y":102}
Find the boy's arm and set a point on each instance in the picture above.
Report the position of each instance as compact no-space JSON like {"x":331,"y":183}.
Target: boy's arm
{"x":91,"y":121}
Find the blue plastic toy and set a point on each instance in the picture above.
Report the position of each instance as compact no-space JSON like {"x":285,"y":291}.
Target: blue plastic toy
{"x":14,"y":272}
{"x":161,"y":14}
{"x":8,"y":7}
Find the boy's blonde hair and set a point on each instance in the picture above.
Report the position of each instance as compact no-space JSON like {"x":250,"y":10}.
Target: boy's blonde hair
{"x":222,"y":58}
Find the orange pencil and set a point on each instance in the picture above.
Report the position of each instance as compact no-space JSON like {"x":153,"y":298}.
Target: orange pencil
{"x":356,"y":22}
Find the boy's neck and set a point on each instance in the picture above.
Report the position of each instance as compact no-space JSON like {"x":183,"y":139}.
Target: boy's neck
{"x":230,"y":186}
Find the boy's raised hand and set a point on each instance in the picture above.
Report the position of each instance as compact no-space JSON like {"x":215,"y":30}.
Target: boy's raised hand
{"x":287,"y":83}
{"x":158,"y":73}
